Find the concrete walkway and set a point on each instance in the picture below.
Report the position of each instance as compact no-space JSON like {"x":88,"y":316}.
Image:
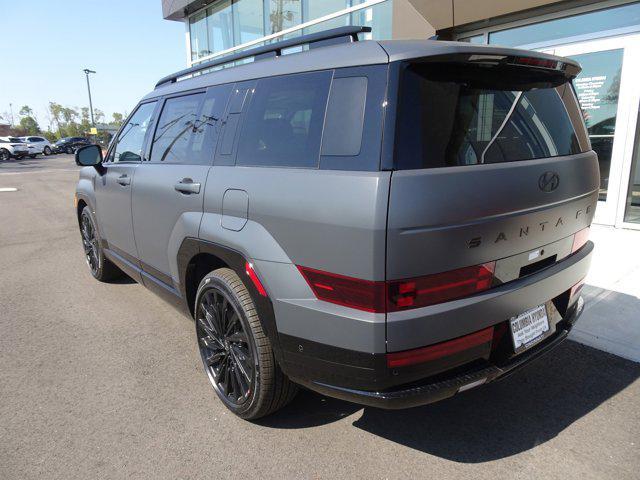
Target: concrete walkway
{"x":611,"y":321}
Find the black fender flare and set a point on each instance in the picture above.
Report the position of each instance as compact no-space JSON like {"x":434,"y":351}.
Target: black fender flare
{"x":235,"y":260}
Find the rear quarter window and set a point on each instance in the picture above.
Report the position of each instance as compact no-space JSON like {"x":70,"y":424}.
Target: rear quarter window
{"x":451,"y":120}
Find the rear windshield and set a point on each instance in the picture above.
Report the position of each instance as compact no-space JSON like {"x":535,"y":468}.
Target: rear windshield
{"x":454,"y":116}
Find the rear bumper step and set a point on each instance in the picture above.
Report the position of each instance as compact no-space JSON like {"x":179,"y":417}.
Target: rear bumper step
{"x":433,"y":391}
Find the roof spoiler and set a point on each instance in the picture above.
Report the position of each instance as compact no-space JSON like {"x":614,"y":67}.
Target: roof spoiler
{"x":314,"y":40}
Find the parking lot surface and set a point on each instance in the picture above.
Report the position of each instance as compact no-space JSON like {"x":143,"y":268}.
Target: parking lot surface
{"x":105,"y":381}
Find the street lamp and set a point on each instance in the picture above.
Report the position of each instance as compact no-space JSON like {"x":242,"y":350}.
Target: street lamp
{"x":87,"y":72}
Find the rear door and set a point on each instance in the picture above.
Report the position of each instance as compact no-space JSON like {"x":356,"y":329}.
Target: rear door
{"x":113,"y":187}
{"x":169,"y":188}
{"x":491,"y":161}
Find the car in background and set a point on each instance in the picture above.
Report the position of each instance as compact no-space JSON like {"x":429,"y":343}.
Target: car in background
{"x":12,"y":147}
{"x":37,"y":145}
{"x":70,"y":144}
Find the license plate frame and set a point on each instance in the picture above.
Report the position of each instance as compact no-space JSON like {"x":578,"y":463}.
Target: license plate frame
{"x":529,"y":328}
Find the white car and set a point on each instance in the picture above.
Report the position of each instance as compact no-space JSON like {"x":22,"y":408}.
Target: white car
{"x":37,"y":145}
{"x":12,"y":147}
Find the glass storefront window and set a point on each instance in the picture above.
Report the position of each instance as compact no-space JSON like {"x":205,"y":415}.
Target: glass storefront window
{"x":229,"y":23}
{"x":283,"y":14}
{"x":198,"y":35}
{"x":584,"y":24}
{"x":220,"y":25}
{"x":598,"y":87}
{"x":377,"y":17}
{"x":632,"y":210}
{"x":476,"y":39}
{"x":248,"y":20}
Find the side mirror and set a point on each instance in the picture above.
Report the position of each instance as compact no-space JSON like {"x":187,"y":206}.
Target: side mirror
{"x":89,"y":156}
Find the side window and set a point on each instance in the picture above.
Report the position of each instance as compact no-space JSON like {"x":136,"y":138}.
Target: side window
{"x":345,"y":117}
{"x":283,"y":125}
{"x":177,"y":126}
{"x":204,"y":141}
{"x":130,"y":142}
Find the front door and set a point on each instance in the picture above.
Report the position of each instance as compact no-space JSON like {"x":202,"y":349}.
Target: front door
{"x":169,"y":188}
{"x":113,"y":187}
{"x":608,"y":92}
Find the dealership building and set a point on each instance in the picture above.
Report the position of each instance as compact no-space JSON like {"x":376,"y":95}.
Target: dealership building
{"x":604,"y":36}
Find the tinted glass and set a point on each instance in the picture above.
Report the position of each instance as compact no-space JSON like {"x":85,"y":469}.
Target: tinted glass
{"x":588,"y":23}
{"x":131,"y":139}
{"x":598,"y":87}
{"x":450,"y":120}
{"x":283,"y":125}
{"x":177,"y":126}
{"x":344,"y":122}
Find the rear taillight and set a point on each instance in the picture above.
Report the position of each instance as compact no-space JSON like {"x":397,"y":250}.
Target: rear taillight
{"x":579,"y":239}
{"x":438,"y":288}
{"x":439,"y":350}
{"x":395,"y":295}
{"x":347,"y":291}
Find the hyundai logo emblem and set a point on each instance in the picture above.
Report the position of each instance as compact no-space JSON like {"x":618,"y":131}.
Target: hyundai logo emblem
{"x":549,"y":181}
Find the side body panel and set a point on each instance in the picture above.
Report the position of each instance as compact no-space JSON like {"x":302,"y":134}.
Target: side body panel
{"x":327,"y":220}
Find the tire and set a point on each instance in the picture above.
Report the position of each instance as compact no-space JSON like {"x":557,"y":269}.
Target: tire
{"x":32,"y":156}
{"x":69,"y":150}
{"x":47,"y":151}
{"x":101,"y":268}
{"x":252,"y":384}
{"x":5,"y":156}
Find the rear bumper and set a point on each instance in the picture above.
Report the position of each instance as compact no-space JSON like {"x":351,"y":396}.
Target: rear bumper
{"x":444,"y":386}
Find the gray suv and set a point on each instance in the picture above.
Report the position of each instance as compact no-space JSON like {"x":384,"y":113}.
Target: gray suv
{"x":385,"y":222}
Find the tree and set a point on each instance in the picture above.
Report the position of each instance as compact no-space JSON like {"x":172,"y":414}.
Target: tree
{"x":28,"y":123}
{"x":118,"y":118}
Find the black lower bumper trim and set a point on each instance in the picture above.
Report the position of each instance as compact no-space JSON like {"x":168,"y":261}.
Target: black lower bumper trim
{"x":433,"y":391}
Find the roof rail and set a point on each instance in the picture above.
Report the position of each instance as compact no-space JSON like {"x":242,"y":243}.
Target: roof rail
{"x":320,"y":39}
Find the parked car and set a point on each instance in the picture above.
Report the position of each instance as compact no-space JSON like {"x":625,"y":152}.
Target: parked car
{"x":37,"y":145}
{"x":385,"y":222}
{"x":70,"y":144}
{"x":12,"y":147}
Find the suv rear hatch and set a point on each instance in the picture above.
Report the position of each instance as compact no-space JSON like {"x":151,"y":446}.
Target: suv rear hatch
{"x":493,"y":170}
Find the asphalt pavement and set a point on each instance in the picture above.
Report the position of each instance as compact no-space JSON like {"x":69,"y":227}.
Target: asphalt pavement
{"x":104,"y":381}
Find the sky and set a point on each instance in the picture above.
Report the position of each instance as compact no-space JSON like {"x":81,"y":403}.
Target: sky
{"x":46,"y":45}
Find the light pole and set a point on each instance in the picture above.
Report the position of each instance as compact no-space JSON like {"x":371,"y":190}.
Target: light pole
{"x":87,"y":72}
{"x":11,"y":109}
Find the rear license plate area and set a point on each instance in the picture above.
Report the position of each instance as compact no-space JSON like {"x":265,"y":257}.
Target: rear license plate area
{"x":529,"y":328}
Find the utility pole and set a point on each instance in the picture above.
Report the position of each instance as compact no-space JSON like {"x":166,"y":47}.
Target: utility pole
{"x":11,"y":110}
{"x":87,"y":72}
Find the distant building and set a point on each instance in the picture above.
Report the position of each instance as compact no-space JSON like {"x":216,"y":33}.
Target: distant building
{"x":4,"y":129}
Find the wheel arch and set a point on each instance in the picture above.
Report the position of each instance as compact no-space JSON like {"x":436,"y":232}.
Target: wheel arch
{"x":198,"y":257}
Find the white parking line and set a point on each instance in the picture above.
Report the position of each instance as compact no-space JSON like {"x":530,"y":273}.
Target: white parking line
{"x":8,"y":189}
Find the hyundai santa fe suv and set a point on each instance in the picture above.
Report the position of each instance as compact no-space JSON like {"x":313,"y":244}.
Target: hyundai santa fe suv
{"x":385,"y":222}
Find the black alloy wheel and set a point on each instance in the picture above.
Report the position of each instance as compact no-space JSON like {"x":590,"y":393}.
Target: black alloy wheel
{"x":5,"y":156}
{"x":227,"y":353}
{"x":47,"y":151}
{"x":235,"y":351}
{"x":69,"y":150}
{"x":90,"y":243}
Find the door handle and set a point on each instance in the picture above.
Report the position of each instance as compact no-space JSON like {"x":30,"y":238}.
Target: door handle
{"x":123,"y":180}
{"x":187,"y":186}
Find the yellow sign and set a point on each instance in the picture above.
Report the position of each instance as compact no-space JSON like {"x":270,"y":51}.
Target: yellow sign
{"x":93,"y":131}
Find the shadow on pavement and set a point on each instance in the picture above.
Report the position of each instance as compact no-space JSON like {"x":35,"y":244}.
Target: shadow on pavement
{"x":492,"y":422}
